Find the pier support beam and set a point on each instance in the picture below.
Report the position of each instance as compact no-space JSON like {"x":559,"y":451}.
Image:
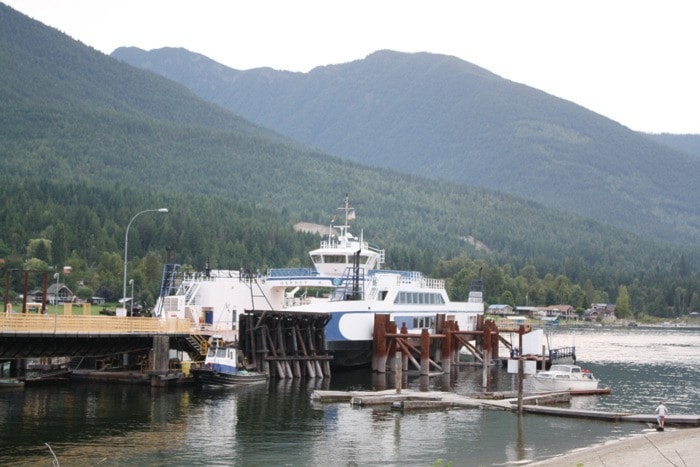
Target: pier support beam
{"x":160,"y":360}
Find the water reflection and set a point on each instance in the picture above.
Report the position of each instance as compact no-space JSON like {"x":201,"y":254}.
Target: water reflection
{"x":277,"y":424}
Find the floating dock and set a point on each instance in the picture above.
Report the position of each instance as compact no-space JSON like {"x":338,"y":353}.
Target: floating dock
{"x":541,"y":404}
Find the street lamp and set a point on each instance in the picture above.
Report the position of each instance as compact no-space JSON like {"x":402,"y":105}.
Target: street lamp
{"x":126,"y":247}
{"x":55,"y":295}
{"x":131,"y":282}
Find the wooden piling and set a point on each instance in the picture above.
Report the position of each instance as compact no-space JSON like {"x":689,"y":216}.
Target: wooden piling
{"x":293,"y":342}
{"x":398,"y":373}
{"x":424,"y":353}
{"x":404,"y":358}
{"x":391,"y":348}
{"x":437,"y":347}
{"x":310,"y":368}
{"x":379,"y":354}
{"x":487,"y":356}
{"x":447,"y":348}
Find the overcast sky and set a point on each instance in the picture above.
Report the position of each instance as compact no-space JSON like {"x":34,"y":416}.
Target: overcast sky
{"x":635,"y":61}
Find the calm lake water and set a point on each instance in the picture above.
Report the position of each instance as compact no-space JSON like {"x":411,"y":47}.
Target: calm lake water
{"x":276,"y":424}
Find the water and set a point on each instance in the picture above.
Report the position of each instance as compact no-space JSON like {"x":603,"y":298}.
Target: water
{"x":276,"y":424}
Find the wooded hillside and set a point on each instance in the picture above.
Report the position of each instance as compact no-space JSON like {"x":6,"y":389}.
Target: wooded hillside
{"x":87,"y":141}
{"x":438,"y":116}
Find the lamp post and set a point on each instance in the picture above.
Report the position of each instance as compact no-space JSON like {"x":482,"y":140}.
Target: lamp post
{"x":55,"y":295}
{"x":131,"y":282}
{"x":126,"y":247}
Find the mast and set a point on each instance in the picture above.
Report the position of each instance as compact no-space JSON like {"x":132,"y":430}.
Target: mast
{"x":349,"y":215}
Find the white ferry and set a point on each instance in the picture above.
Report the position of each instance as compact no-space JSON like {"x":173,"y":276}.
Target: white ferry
{"x":346,"y":268}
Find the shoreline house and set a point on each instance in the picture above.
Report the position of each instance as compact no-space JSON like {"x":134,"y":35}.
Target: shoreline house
{"x":500,"y":310}
{"x":549,"y":313}
{"x":55,"y":294}
{"x":566,"y":312}
{"x":600,"y":312}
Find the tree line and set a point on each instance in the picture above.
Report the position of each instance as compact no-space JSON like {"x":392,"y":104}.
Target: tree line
{"x":48,"y":225}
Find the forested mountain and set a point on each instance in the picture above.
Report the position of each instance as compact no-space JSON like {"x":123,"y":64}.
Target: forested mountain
{"x":87,"y":141}
{"x":686,"y":143}
{"x":438,"y":115}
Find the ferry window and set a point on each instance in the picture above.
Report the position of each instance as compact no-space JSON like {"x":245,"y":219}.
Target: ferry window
{"x":334,"y":259}
{"x":424,"y":322}
{"x":418,"y":298}
{"x":382,"y":295}
{"x":316,"y":258}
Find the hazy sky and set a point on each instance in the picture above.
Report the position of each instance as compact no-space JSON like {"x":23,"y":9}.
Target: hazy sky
{"x":635,"y":61}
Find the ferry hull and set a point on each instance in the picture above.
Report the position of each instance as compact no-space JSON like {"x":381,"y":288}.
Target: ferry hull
{"x":350,"y":354}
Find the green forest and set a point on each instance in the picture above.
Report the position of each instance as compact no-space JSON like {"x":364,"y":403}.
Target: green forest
{"x":49,"y":225}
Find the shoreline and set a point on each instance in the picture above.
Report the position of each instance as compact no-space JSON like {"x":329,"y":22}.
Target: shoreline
{"x":677,"y":446}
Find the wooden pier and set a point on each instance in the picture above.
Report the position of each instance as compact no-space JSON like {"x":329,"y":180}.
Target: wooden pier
{"x":541,"y":404}
{"x":285,"y":345}
{"x":430,"y":353}
{"x":436,"y":351}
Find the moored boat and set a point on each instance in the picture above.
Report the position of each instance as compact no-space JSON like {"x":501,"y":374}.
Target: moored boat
{"x":564,"y":378}
{"x":11,"y":383}
{"x":221,"y":367}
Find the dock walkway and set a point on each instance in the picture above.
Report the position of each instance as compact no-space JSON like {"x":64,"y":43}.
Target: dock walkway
{"x":408,"y":400}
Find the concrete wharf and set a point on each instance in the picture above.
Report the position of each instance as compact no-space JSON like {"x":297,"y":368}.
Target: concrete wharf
{"x":540,"y":404}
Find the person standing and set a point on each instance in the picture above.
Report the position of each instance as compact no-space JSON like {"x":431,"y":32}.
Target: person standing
{"x":661,"y":413}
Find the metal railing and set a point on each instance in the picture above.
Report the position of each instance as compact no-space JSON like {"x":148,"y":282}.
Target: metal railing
{"x":92,"y":325}
{"x":562,"y":353}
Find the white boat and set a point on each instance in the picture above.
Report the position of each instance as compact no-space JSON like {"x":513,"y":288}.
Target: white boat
{"x":222,"y":367}
{"x":564,"y":378}
{"x":348,"y":266}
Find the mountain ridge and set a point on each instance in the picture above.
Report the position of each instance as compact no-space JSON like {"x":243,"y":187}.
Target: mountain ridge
{"x":441,"y":117}
{"x":86,"y":141}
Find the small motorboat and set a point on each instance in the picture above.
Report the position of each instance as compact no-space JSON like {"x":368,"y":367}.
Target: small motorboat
{"x":10,"y":383}
{"x":564,"y":378}
{"x":221,"y":367}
